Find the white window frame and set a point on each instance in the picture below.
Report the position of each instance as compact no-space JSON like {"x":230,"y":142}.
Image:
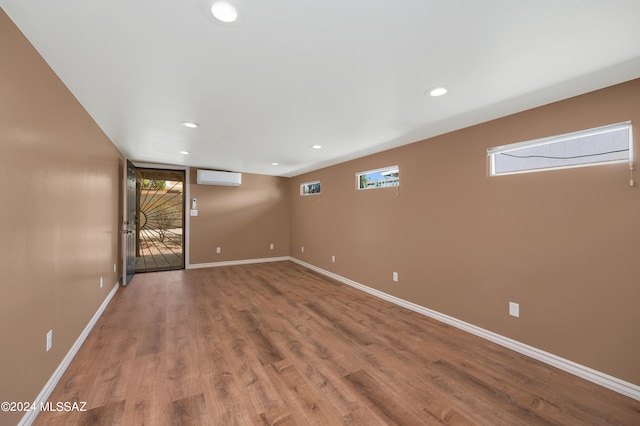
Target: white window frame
{"x":302,"y":185}
{"x":381,"y":170}
{"x":492,"y":152}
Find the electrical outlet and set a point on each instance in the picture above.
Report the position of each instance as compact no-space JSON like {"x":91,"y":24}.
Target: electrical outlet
{"x":333,"y":259}
{"x":271,"y":246}
{"x":114,"y":268}
{"x":514,"y":309}
{"x":49,"y":340}
{"x":395,"y":276}
{"x":100,"y":282}
{"x":302,"y":249}
{"x":218,"y":250}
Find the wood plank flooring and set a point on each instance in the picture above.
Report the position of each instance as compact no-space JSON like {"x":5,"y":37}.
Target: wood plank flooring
{"x":277,"y":344}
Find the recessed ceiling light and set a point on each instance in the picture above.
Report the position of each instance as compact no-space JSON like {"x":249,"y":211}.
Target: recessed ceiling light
{"x":438,"y":91}
{"x":224,"y":12}
{"x":317,"y":147}
{"x":275,"y":164}
{"x":185,"y":152}
{"x":190,"y":124}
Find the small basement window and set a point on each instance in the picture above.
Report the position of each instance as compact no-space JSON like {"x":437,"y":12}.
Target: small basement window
{"x":379,"y":178}
{"x":602,"y":145}
{"x":310,"y":188}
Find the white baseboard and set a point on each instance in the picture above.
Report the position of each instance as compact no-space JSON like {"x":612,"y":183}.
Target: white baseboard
{"x":42,"y":398}
{"x":237,"y":262}
{"x":625,"y":388}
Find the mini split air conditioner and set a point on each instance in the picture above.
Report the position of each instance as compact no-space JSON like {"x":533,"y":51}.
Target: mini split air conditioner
{"x":210,"y":177}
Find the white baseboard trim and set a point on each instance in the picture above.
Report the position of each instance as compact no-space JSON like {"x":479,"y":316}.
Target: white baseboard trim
{"x":237,"y":262}
{"x":617,"y":385}
{"x":42,"y":398}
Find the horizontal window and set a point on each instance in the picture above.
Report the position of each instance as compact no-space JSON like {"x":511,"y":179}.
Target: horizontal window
{"x":602,"y":145}
{"x":379,"y":178}
{"x":310,"y":188}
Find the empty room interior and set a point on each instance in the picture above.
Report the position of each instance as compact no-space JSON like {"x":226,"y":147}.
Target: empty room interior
{"x":248,"y":212}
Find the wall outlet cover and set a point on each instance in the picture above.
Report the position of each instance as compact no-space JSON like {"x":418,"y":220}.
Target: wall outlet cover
{"x":514,"y":309}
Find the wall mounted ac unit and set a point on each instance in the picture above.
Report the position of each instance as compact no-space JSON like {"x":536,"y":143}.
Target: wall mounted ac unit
{"x":210,"y":177}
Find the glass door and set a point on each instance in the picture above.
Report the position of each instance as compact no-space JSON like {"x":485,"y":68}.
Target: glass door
{"x":160,"y":220}
{"x":129,"y":229}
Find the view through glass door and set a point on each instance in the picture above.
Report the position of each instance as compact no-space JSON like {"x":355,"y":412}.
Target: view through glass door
{"x":159,"y":220}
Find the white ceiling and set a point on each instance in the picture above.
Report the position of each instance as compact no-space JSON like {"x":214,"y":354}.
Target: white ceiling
{"x":349,"y":75}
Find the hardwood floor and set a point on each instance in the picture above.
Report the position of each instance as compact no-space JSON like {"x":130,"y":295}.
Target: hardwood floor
{"x":277,"y":344}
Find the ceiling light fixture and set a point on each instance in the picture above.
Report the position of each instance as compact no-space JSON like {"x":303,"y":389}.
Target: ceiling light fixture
{"x":190,"y":124}
{"x":185,"y":152}
{"x":317,"y":147}
{"x":275,"y":164}
{"x":438,"y":91}
{"x":224,"y":11}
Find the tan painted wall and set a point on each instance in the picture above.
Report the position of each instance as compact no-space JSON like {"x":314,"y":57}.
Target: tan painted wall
{"x":242,"y":220}
{"x":563,"y":244}
{"x":59,"y":217}
{"x":560,"y":243}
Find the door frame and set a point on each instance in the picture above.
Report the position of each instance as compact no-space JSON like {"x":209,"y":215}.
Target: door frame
{"x":187,"y":216}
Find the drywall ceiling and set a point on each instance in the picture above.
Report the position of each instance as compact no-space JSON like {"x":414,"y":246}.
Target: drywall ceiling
{"x":348,"y":75}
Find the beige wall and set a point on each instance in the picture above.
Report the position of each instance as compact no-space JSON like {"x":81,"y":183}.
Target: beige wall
{"x":59,"y":216}
{"x":563,"y":244}
{"x":242,"y":220}
{"x":560,"y":243}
